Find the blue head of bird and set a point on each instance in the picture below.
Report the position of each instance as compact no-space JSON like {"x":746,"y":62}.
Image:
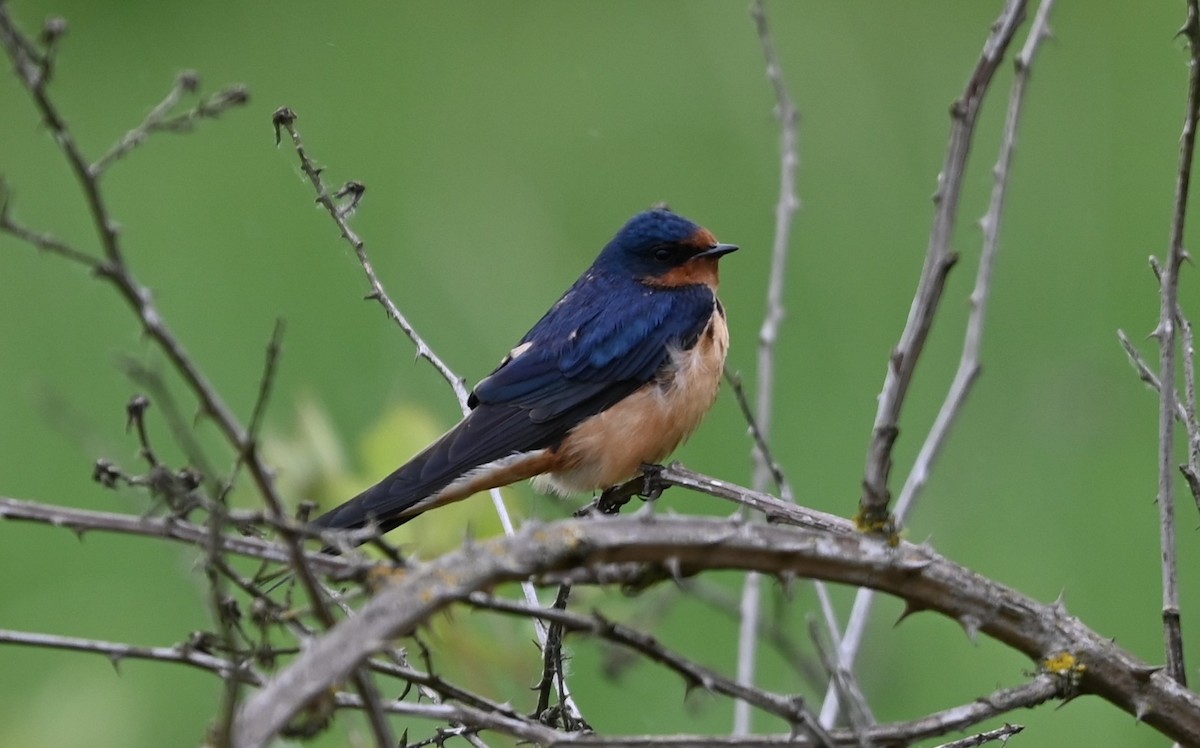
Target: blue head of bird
{"x":661,"y":248}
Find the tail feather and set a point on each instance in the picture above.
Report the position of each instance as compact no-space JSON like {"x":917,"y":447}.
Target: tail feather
{"x":488,"y":436}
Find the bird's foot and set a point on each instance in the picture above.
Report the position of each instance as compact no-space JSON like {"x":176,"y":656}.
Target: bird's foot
{"x":652,"y":484}
{"x":647,"y":486}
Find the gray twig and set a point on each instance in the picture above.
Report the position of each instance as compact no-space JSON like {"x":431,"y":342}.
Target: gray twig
{"x":116,"y":652}
{"x":969,"y":365}
{"x":873,"y":506}
{"x":1000,"y":733}
{"x":760,"y":424}
{"x":285,"y":119}
{"x":1166,"y":334}
{"x":160,"y":119}
{"x":33,"y":72}
{"x":627,"y":548}
{"x":694,"y":674}
{"x":81,"y":521}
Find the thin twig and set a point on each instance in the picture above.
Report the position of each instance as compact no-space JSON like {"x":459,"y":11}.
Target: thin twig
{"x":1145,"y":373}
{"x":42,"y":241}
{"x":777,"y":633}
{"x":486,"y":715}
{"x":285,"y":119}
{"x":763,"y":449}
{"x":217,"y":518}
{"x":1166,"y":334}
{"x":969,"y":365}
{"x":1190,"y":470}
{"x":785,"y":210}
{"x":841,"y":677}
{"x":553,"y":670}
{"x":873,"y":506}
{"x":479,"y":714}
{"x":764,"y":466}
{"x":158,"y":120}
{"x":991,"y":736}
{"x":118,"y":651}
{"x":81,"y":521}
{"x":31,"y":71}
{"x":695,"y":675}
{"x":185,"y":438}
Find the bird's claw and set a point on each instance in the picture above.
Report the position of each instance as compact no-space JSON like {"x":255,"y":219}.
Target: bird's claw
{"x":652,"y":485}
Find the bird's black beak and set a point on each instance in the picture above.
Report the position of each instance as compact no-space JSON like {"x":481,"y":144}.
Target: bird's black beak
{"x":718,"y":250}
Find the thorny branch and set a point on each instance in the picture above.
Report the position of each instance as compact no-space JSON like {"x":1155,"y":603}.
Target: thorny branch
{"x":628,"y":550}
{"x":969,"y":365}
{"x":953,"y":719}
{"x":1166,"y":334}
{"x":284,"y":119}
{"x":791,"y":709}
{"x":217,"y":518}
{"x":160,"y":118}
{"x":33,"y":69}
{"x":873,"y":507}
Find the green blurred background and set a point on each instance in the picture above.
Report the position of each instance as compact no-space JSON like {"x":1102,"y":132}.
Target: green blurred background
{"x":502,"y":143}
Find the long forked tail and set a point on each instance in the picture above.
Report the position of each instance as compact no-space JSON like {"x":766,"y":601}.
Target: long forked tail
{"x":492,"y":446}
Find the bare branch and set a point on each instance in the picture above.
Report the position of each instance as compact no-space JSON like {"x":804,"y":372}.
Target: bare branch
{"x":553,"y":670}
{"x":116,"y":652}
{"x":33,"y":73}
{"x":43,"y":241}
{"x":158,"y":120}
{"x":285,"y":119}
{"x":695,"y":675}
{"x":760,"y":424}
{"x":81,"y":521}
{"x":785,"y":210}
{"x":762,"y":448}
{"x":841,"y":678}
{"x":1091,"y":663}
{"x":991,"y":736}
{"x":873,"y":506}
{"x":969,"y":364}
{"x":484,"y":715}
{"x":1166,"y":334}
{"x":1191,"y":418}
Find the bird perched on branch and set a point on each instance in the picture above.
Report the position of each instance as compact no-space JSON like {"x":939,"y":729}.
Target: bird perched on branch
{"x":617,"y":374}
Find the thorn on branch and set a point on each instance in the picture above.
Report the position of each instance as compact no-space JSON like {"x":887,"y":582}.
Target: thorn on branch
{"x":283,"y":118}
{"x":107,"y":474}
{"x":353,"y":189}
{"x":188,"y":81}
{"x":53,"y":30}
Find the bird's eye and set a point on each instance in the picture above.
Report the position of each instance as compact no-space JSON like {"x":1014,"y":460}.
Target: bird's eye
{"x":663,"y":254}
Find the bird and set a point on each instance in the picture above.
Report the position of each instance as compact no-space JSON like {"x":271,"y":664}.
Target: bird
{"x":617,"y":374}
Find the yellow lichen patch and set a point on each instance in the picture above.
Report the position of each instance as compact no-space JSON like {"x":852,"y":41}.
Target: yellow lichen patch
{"x":378,"y":576}
{"x":885,"y":526}
{"x":1063,"y":663}
{"x":1068,"y":668}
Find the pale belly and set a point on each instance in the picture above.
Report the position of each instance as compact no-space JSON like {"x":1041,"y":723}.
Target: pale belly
{"x":647,"y":426}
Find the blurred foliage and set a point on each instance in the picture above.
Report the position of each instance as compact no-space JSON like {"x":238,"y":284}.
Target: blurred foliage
{"x":501,"y":144}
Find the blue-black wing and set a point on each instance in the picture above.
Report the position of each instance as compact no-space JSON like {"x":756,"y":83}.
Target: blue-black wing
{"x":605,"y":338}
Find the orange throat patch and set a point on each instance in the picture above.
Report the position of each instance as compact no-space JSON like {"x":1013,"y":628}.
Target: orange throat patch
{"x":695,"y":272}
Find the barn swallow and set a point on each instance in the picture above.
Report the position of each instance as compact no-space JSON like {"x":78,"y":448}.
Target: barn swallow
{"x":617,"y":374}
